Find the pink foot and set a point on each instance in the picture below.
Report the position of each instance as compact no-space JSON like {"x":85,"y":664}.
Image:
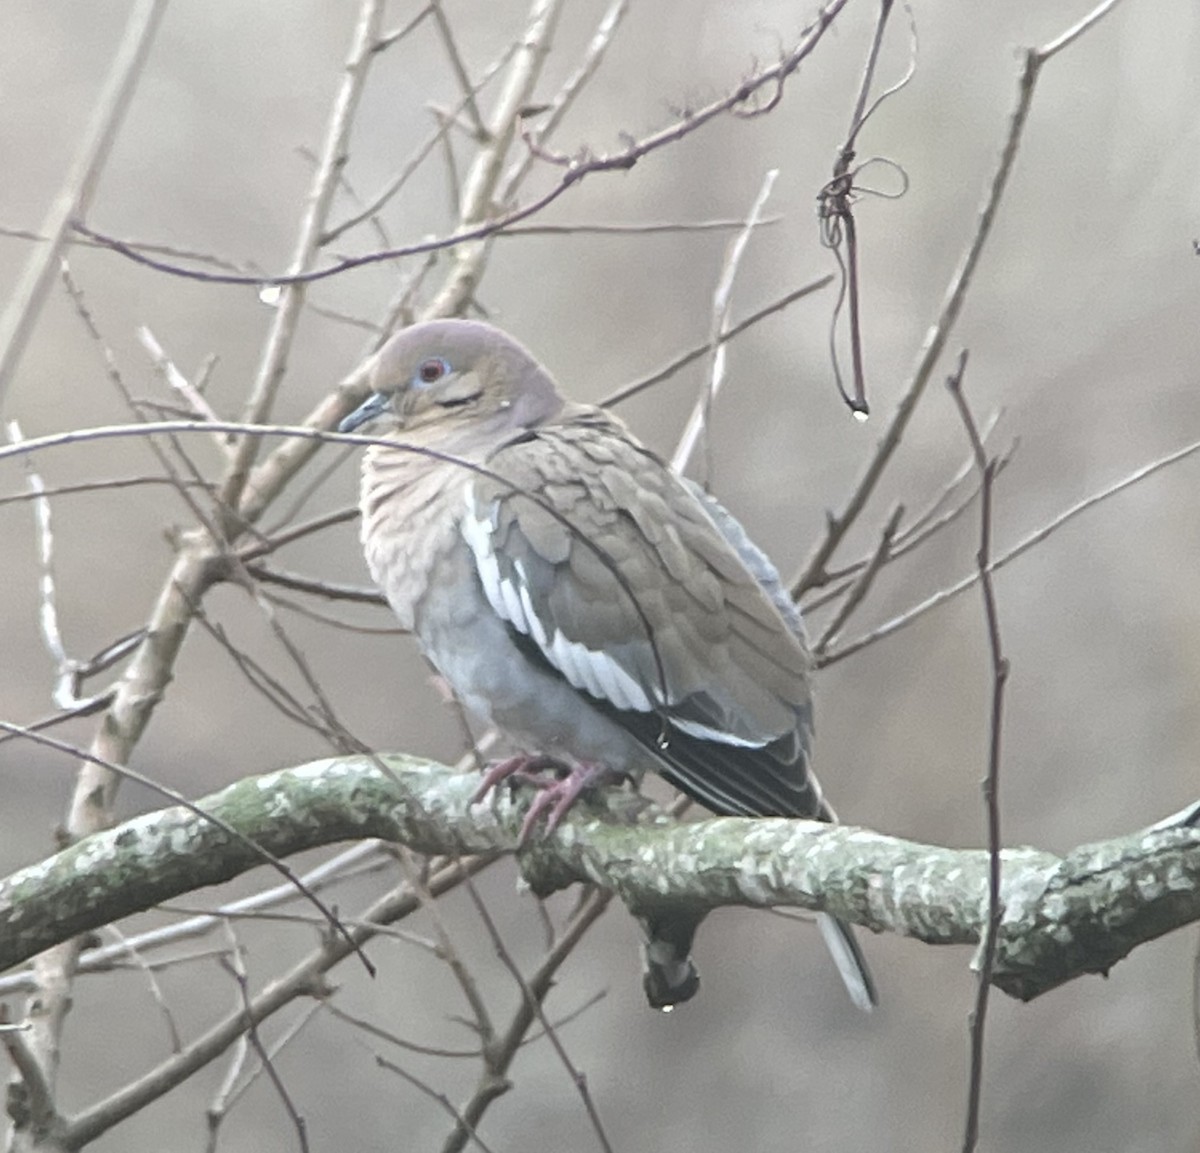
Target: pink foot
{"x":555,"y":795}
{"x":522,"y":767}
{"x":558,"y":796}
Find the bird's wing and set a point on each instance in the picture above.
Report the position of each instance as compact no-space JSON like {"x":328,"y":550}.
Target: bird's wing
{"x":649,"y":598}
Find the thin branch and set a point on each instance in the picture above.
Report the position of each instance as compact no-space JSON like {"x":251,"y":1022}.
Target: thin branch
{"x":374,"y":1030}
{"x":332,"y":728}
{"x":389,"y":39}
{"x":1024,"y":545}
{"x":330,"y":590}
{"x":77,"y":240}
{"x":478,"y":193}
{"x":197,"y":811}
{"x":371,"y":210}
{"x":334,"y":153}
{"x":175,"y":379}
{"x":1076,"y":30}
{"x":75,"y":195}
{"x":991,"y":783}
{"x":696,"y":429}
{"x":549,"y":118}
{"x":332,"y":621}
{"x":908,"y":538}
{"x":627,"y":391}
{"x":815,"y":573}
{"x":305,"y":978}
{"x":494,"y":1082}
{"x":576,"y":170}
{"x":466,"y":88}
{"x":647,"y":228}
{"x":534,"y":1002}
{"x":139,"y":962}
{"x":459,"y":1120}
{"x":106,"y":957}
{"x":858,"y":589}
{"x":35,"y":1111}
{"x":113,"y":372}
{"x":278,"y":537}
{"x":66,"y":683}
{"x":233,"y":963}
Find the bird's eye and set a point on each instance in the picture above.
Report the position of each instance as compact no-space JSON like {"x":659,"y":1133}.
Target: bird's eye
{"x":432,"y":370}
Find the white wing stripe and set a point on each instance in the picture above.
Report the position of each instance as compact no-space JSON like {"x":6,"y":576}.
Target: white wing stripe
{"x":512,"y":605}
{"x":707,"y":733}
{"x":535,"y":629}
{"x":593,"y":672}
{"x":596,"y":672}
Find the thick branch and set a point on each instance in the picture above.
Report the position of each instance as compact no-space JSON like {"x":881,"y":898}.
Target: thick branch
{"x":1063,"y":916}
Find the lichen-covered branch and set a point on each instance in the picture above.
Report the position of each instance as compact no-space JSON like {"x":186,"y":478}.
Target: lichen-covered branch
{"x":1063,"y":916}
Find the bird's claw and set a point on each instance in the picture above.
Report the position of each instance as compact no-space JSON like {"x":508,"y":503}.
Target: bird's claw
{"x":555,"y":795}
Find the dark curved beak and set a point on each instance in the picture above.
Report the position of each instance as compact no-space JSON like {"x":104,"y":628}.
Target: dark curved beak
{"x":375,"y":405}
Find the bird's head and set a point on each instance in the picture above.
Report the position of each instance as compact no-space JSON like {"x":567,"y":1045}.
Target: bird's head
{"x":456,"y":375}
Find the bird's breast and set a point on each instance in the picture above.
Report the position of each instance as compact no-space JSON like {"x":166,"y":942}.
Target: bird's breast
{"x":411,"y":509}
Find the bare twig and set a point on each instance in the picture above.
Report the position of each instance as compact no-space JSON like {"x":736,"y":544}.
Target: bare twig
{"x":114,"y":483}
{"x":644,"y":228}
{"x":36,"y":1110}
{"x":627,"y":391}
{"x":370,"y":210}
{"x":907,"y":539}
{"x":858,"y":589}
{"x":105,"y":957}
{"x":942,"y":596}
{"x":391,"y":1038}
{"x":175,"y":379}
{"x":234,"y":965}
{"x":75,"y":195}
{"x":446,"y":33}
{"x":493,"y":1081}
{"x":113,"y":372}
{"x":173,"y":251}
{"x":134,"y":955}
{"x":534,"y":1001}
{"x":330,"y":590}
{"x":815,"y":571}
{"x":695,"y":431}
{"x":278,"y":537}
{"x":178,"y":798}
{"x":549,"y":118}
{"x":303,"y":979}
{"x":991,"y":782}
{"x":308,"y":243}
{"x":66,"y":681}
{"x":577,"y":170}
{"x":433,"y":1094}
{"x":332,"y":621}
{"x":389,"y":39}
{"x":477,"y":196}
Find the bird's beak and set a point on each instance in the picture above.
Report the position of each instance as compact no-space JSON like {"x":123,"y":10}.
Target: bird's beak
{"x":375,"y":405}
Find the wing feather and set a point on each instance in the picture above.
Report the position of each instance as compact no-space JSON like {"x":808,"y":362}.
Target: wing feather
{"x":646,"y":595}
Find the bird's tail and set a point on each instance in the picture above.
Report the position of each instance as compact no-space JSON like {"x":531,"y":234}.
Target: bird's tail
{"x":849,"y":959}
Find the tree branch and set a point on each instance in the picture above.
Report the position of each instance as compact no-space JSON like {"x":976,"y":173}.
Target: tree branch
{"x":1063,"y":916}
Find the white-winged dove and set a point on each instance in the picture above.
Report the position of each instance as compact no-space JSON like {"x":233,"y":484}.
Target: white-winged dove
{"x":577,"y":594}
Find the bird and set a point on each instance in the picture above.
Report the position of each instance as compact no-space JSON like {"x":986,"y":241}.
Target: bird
{"x":603,"y":612}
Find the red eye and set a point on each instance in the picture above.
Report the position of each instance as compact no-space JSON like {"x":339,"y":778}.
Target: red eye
{"x":432,"y":370}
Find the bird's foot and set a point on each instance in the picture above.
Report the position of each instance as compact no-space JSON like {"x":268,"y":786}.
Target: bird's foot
{"x":523,"y":768}
{"x":556,"y":794}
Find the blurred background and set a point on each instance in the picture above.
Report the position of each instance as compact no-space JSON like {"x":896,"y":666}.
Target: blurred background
{"x":1082,"y":327}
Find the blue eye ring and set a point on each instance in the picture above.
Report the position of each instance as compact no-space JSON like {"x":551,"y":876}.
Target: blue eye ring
{"x":432,"y":370}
